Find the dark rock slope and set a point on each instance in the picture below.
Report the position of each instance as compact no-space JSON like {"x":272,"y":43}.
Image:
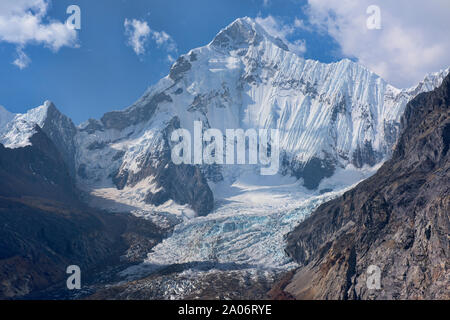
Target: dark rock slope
{"x":38,"y":170}
{"x":44,"y":227}
{"x":397,"y":220}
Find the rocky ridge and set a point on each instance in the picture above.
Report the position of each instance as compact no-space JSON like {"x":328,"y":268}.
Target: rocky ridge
{"x":397,"y":220}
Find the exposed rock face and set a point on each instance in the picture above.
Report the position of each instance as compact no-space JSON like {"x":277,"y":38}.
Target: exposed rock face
{"x":397,"y":220}
{"x":121,"y":119}
{"x":37,"y":170}
{"x":179,"y":67}
{"x":44,"y":227}
{"x":39,"y":239}
{"x":61,"y":130}
{"x":314,"y":171}
{"x":186,"y":185}
{"x":183,"y":183}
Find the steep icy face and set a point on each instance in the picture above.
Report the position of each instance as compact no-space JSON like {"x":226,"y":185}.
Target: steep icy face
{"x":397,"y":219}
{"x":18,"y":129}
{"x":330,"y":116}
{"x":61,"y":130}
{"x":241,"y":34}
{"x":429,"y":83}
{"x":17,"y":134}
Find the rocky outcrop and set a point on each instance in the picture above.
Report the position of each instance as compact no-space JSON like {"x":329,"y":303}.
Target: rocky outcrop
{"x":179,"y":68}
{"x":38,"y":170}
{"x":184,"y":183}
{"x":39,"y":239}
{"x":119,"y":120}
{"x":397,"y":220}
{"x":313,"y":171}
{"x":61,"y":130}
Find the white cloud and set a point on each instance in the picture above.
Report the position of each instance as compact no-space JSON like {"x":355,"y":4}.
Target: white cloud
{"x":22,"y":60}
{"x":412,"y":41}
{"x":138,"y":33}
{"x":266,"y":3}
{"x":298,"y":46}
{"x":275,"y":27}
{"x":170,"y":58}
{"x":163,"y":39}
{"x":22,"y":23}
{"x":278,"y":28}
{"x":300,"y":24}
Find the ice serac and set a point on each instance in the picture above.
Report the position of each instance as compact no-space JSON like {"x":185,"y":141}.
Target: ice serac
{"x":330,"y":116}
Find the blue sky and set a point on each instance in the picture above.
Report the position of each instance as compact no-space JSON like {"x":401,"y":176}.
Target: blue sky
{"x":104,"y":73}
{"x":94,"y":70}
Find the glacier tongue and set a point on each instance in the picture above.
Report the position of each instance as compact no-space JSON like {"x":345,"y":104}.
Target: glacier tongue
{"x":247,"y":229}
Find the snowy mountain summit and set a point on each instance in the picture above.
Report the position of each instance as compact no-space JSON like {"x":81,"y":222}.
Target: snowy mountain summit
{"x":330,"y":117}
{"x":17,"y":131}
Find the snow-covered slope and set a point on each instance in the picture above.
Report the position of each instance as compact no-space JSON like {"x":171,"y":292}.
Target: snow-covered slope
{"x":330,"y":116}
{"x":16,"y":131}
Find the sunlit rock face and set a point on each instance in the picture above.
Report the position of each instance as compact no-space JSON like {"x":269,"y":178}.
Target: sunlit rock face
{"x":397,"y":220}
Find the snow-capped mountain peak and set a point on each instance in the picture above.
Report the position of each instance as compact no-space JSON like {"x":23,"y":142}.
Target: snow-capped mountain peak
{"x":242,"y":33}
{"x":18,"y":130}
{"x":429,"y":83}
{"x":330,"y":116}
